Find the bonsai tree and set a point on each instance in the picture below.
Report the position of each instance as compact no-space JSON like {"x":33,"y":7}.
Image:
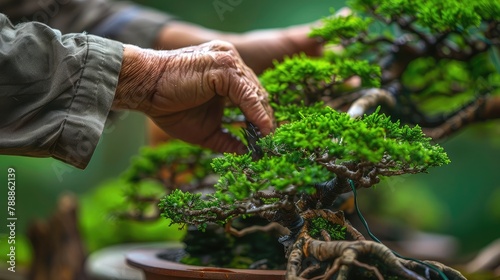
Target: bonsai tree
{"x":297,"y":175}
{"x":344,"y":121}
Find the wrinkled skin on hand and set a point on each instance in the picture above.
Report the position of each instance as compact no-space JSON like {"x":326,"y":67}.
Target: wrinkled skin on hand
{"x":258,"y":48}
{"x":183,"y":91}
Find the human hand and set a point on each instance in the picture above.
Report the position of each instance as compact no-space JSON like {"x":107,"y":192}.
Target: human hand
{"x":258,"y":49}
{"x":183,"y":91}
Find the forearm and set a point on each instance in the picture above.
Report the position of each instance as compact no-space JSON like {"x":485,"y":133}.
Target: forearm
{"x":179,"y":34}
{"x":258,"y":48}
{"x":55,"y":91}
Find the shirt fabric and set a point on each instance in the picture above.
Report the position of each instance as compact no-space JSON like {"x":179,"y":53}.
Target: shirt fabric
{"x":56,"y":90}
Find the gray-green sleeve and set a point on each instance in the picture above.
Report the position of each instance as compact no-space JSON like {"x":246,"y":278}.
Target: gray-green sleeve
{"x":55,"y":91}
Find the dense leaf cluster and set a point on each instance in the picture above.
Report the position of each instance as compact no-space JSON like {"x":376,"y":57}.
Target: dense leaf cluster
{"x":301,"y":80}
{"x":436,"y":15}
{"x":335,"y":29}
{"x":178,"y":200}
{"x":369,"y":139}
{"x":299,"y":155}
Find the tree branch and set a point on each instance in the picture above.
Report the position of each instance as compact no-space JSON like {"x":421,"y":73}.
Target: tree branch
{"x":271,"y":227}
{"x":482,"y":109}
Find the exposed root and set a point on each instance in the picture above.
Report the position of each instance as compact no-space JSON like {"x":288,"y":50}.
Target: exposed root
{"x":482,"y":109}
{"x":343,"y":259}
{"x":371,"y":98}
{"x":449,"y":272}
{"x":269,"y":228}
{"x":310,"y":270}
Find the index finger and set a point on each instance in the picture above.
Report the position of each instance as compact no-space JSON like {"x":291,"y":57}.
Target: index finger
{"x":240,"y":84}
{"x":252,"y":99}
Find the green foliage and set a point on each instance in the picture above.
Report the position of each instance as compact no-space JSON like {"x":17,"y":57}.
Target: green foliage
{"x":191,"y":261}
{"x":294,"y":112}
{"x":289,"y":81}
{"x":367,"y":139}
{"x":336,"y":28}
{"x":289,"y":164}
{"x":279,"y":172}
{"x":436,"y":15}
{"x":159,"y":170}
{"x":231,"y":116}
{"x":175,"y":154}
{"x":315,"y":143}
{"x":450,"y":82}
{"x":486,"y":9}
{"x":336,"y":232}
{"x":132,"y":194}
{"x":101,"y":227}
{"x":452,"y":57}
{"x":175,"y":202}
{"x":436,"y":76}
{"x":368,"y":73}
{"x":301,"y":81}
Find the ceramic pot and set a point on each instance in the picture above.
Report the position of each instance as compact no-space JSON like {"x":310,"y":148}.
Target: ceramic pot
{"x":155,"y":268}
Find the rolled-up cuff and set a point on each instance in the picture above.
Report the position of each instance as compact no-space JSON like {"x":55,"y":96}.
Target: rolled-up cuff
{"x":91,"y":103}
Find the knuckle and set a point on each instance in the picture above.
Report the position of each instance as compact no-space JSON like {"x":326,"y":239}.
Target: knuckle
{"x":220,"y":45}
{"x":218,"y":82}
{"x":224,"y":54}
{"x":226,"y":59}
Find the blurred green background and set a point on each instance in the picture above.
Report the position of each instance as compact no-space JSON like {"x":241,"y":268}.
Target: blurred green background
{"x":461,"y":199}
